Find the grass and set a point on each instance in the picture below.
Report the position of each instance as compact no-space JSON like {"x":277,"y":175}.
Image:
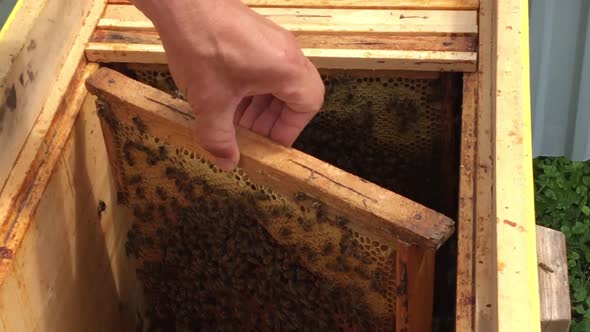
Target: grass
{"x":562,"y":192}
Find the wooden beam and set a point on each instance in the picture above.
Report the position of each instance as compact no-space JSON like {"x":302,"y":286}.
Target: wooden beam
{"x":22,"y":196}
{"x":321,"y":58}
{"x":23,"y":172}
{"x":465,"y":300}
{"x":514,"y":195}
{"x":284,"y":169}
{"x":70,"y":253}
{"x":485,"y":275}
{"x":33,"y":49}
{"x":415,"y":280}
{"x":377,"y":4}
{"x":123,"y":17}
{"x":451,"y":43}
{"x":554,"y":290}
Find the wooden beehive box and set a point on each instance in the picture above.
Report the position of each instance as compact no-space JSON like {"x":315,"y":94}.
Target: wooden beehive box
{"x":446,"y":85}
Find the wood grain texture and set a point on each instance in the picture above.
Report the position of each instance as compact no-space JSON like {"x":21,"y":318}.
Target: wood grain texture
{"x":71,"y":272}
{"x":485,"y":282}
{"x":32,"y":52}
{"x":383,"y":4}
{"x":466,"y":224}
{"x":19,"y":205}
{"x":516,"y":260}
{"x":321,"y":58}
{"x":379,"y":39}
{"x":452,"y":43}
{"x":62,"y":90}
{"x":286,"y":170}
{"x":415,"y":283}
{"x":124,"y":17}
{"x":554,"y":288}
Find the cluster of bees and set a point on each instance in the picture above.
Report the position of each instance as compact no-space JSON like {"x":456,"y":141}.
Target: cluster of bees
{"x":385,"y":130}
{"x":391,"y":131}
{"x":212,"y":255}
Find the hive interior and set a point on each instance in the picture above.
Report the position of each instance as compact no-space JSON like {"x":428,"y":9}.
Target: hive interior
{"x":220,"y":252}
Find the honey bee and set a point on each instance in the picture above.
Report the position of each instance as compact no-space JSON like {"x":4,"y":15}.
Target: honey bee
{"x":135,"y":179}
{"x":141,"y":127}
{"x":300,"y":196}
{"x":101,"y":207}
{"x":305,"y":224}
{"x":121,"y":197}
{"x":162,"y":152}
{"x":285,"y":232}
{"x":328,"y":248}
{"x":341,"y":221}
{"x":362,"y":272}
{"x":140,"y":192}
{"x":161,"y":193}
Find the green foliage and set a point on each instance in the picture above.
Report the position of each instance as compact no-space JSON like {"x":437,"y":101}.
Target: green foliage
{"x":562,"y":203}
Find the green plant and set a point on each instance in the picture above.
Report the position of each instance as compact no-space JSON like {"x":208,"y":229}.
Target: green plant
{"x":562,"y":203}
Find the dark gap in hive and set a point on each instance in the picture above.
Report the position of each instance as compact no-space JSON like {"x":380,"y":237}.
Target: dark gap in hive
{"x":400,"y":132}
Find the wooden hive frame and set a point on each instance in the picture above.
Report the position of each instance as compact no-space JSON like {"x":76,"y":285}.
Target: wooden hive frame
{"x":58,"y":172}
{"x":391,"y":218}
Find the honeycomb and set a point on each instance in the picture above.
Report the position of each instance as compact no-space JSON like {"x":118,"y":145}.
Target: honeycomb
{"x":396,"y":129}
{"x":216,"y":251}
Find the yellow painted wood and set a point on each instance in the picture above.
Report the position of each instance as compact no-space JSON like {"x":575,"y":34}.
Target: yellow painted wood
{"x":518,"y":287}
{"x":17,"y":7}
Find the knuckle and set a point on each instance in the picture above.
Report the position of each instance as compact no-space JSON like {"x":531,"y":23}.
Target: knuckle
{"x":289,"y":52}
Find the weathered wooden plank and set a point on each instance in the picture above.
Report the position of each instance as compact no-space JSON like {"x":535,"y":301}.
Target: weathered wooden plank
{"x":452,"y":43}
{"x":466,"y":224}
{"x":321,"y":58}
{"x":33,"y":49}
{"x":485,"y":281}
{"x":556,"y":310}
{"x":19,"y":204}
{"x":383,"y":4}
{"x":286,"y":170}
{"x":417,"y":267}
{"x":430,"y":4}
{"x":70,"y":253}
{"x":124,"y":17}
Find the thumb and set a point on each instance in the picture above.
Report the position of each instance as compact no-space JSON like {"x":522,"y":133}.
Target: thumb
{"x":216,"y":133}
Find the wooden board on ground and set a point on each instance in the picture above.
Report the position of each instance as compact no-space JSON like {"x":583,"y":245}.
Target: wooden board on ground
{"x":554,"y":290}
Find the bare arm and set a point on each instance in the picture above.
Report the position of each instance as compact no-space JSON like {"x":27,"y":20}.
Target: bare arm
{"x":236,"y":68}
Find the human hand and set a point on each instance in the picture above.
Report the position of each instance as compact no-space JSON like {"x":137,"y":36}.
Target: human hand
{"x":236,"y":67}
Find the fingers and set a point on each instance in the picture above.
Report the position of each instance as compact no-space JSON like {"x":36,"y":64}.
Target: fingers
{"x":303,"y":95}
{"x":302,"y":89}
{"x":267,"y":119}
{"x":289,"y":126}
{"x":216,"y":132}
{"x":256,"y":107}
{"x":241,"y":108}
